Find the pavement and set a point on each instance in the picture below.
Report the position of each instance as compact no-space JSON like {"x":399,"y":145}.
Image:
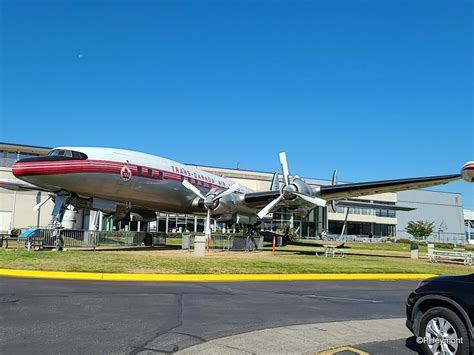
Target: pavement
{"x":47,"y":316}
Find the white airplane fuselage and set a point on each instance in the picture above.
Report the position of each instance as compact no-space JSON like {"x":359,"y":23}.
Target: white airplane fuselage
{"x":126,"y":177}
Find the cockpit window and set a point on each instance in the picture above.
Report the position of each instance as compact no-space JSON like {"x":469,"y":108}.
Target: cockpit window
{"x":67,"y":153}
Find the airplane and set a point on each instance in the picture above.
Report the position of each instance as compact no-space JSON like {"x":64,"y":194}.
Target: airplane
{"x":122,"y":182}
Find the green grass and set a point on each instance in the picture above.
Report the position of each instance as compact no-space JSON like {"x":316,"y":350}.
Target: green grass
{"x":289,"y":259}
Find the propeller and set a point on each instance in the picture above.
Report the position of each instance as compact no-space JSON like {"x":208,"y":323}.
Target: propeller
{"x":210,"y":201}
{"x":290,"y":190}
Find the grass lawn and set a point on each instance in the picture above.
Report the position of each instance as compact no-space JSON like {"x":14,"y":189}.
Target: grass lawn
{"x":296,"y":258}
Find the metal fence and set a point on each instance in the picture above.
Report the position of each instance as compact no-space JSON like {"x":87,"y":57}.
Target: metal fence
{"x":454,"y":238}
{"x":226,"y":242}
{"x":68,"y":238}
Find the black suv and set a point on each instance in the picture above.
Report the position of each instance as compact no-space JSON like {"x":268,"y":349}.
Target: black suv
{"x":440,"y":313}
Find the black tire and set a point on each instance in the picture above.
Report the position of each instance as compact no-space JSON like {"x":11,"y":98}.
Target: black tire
{"x":58,"y":244}
{"x":148,"y":241}
{"x":456,"y":323}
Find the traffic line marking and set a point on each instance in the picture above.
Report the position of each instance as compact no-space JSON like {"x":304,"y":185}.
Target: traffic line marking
{"x":343,"y":298}
{"x":343,"y":350}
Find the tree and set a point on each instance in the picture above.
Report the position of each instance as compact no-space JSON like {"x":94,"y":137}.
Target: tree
{"x":420,"y":229}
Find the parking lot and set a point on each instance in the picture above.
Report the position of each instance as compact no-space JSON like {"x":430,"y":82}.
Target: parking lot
{"x":66,"y":316}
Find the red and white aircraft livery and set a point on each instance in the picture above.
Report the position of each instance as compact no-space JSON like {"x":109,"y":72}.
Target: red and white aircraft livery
{"x":119,"y":182}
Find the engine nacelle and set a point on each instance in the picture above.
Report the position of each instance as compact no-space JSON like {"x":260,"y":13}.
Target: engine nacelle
{"x":467,"y":171}
{"x":302,"y":186}
{"x":227,"y":205}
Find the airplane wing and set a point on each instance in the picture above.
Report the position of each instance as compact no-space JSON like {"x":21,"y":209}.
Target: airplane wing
{"x":343,"y":191}
{"x":18,"y":185}
{"x":346,"y":191}
{"x":260,"y":198}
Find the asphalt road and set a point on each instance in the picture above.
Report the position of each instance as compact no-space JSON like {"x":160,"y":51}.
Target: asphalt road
{"x":95,"y":317}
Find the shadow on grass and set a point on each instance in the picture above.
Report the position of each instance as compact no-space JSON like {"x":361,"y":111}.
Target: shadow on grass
{"x":137,"y":248}
{"x":306,"y":244}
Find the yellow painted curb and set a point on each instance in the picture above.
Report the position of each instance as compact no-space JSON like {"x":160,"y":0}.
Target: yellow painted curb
{"x":201,"y":277}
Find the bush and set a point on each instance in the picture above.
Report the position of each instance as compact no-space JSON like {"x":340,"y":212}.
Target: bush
{"x":289,"y":233}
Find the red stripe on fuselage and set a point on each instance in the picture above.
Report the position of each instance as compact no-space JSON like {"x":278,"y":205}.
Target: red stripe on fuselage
{"x":468,"y":166}
{"x":96,"y":166}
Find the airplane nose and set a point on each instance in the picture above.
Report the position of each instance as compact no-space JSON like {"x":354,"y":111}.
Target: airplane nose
{"x":15,"y":168}
{"x":467,"y":171}
{"x":28,"y":165}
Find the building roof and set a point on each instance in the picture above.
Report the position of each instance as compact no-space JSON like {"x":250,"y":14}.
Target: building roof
{"x":13,"y":147}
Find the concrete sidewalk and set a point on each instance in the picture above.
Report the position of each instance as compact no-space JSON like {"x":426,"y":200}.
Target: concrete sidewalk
{"x":305,"y":339}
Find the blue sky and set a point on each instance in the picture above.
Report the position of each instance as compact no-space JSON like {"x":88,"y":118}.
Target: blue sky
{"x":376,"y":89}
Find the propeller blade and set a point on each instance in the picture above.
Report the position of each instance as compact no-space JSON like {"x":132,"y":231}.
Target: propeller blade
{"x":284,"y":168}
{"x":314,"y":200}
{"x":38,"y":206}
{"x":230,"y":190}
{"x":207,"y":227}
{"x":334,"y":182}
{"x":269,"y":207}
{"x":193,"y":188}
{"x":275,"y":186}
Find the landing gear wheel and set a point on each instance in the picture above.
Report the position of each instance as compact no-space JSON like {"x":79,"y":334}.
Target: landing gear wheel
{"x":443,"y":332}
{"x":148,"y":241}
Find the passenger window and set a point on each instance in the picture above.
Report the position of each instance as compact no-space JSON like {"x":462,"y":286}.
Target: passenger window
{"x":61,"y":153}
{"x":150,"y":172}
{"x":68,"y":153}
{"x":139,"y":169}
{"x":76,"y":155}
